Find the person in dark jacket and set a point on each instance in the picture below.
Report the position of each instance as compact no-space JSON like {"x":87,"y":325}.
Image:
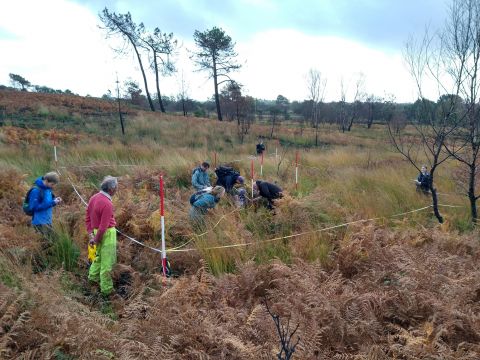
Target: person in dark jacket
{"x":423,"y":181}
{"x":200,"y":179}
{"x":41,"y":202}
{"x":260,"y":148}
{"x":229,"y":181}
{"x":267,"y":191}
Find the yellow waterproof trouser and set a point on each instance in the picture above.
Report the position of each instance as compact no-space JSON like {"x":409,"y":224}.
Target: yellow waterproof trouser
{"x":106,"y":256}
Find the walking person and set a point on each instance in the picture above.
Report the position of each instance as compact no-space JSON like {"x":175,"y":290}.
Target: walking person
{"x":200,"y":179}
{"x":100,"y":222}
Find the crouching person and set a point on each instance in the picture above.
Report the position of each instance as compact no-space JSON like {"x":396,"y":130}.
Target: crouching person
{"x":267,"y":191}
{"x":101,"y":223}
{"x":203,"y":202}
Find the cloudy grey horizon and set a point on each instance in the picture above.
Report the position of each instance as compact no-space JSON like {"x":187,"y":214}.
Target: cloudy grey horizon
{"x":59,"y":43}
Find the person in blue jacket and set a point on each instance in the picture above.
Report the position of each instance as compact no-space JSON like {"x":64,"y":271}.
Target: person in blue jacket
{"x":41,"y":202}
{"x":200,"y":179}
{"x":203,"y":202}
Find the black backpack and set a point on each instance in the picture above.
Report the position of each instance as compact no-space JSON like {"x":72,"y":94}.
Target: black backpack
{"x":26,"y":201}
{"x":223,"y":171}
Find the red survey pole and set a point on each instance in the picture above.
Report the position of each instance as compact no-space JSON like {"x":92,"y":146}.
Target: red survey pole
{"x":296,"y":171}
{"x":162,"y":219}
{"x":252,"y":174}
{"x":261,"y":165}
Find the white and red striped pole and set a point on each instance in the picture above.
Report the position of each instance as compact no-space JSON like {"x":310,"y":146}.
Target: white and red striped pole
{"x":54,"y":138}
{"x":162,"y":219}
{"x":296,"y":171}
{"x":261,"y":165}
{"x":252,"y":174}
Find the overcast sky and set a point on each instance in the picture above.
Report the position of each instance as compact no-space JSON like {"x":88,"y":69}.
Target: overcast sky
{"x":57,"y":43}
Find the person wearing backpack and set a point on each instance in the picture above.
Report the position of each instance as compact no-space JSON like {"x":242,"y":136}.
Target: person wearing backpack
{"x":39,"y":203}
{"x":204,"y":201}
{"x":200,"y":179}
{"x":228,"y":177}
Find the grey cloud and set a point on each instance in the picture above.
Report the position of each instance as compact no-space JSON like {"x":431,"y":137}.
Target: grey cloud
{"x":379,"y":23}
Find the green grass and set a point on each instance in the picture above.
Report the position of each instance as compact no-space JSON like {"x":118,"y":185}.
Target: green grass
{"x":8,"y":276}
{"x":64,"y":252}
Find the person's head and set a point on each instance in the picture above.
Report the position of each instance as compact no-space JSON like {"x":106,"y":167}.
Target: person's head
{"x":256,"y":185}
{"x":205,"y":166}
{"x":424,"y":169}
{"x":50,"y":179}
{"x":109,"y":185}
{"x":218,"y":191}
{"x":240,"y":180}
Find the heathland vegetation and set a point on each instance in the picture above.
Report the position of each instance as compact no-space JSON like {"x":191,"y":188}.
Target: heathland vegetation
{"x":393,"y":287}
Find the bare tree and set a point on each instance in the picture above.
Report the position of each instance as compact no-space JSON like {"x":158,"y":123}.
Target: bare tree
{"x":372,"y":104}
{"x":183,"y":94}
{"x":122,"y":25}
{"x":460,"y":56}
{"x":354,"y":107}
{"x":435,"y":123}
{"x":119,"y":108}
{"x":316,"y":88}
{"x":162,"y":46}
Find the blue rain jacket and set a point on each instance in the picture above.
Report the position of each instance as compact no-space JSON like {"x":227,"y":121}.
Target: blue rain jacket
{"x":42,"y":208}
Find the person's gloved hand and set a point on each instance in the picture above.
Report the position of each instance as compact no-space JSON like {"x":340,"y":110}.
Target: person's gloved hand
{"x":57,"y":200}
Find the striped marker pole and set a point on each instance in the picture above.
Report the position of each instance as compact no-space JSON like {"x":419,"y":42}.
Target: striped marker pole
{"x":54,"y":138}
{"x":252,"y":174}
{"x":296,"y":171}
{"x":261,"y":166}
{"x":162,"y":219}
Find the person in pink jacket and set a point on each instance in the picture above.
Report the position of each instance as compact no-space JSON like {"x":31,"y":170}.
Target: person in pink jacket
{"x":101,"y":224}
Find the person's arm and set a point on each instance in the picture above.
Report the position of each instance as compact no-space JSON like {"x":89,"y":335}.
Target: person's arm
{"x":36,"y":204}
{"x":107,"y":213}
{"x":195,"y":182}
{"x":88,"y":219}
{"x":207,"y":178}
